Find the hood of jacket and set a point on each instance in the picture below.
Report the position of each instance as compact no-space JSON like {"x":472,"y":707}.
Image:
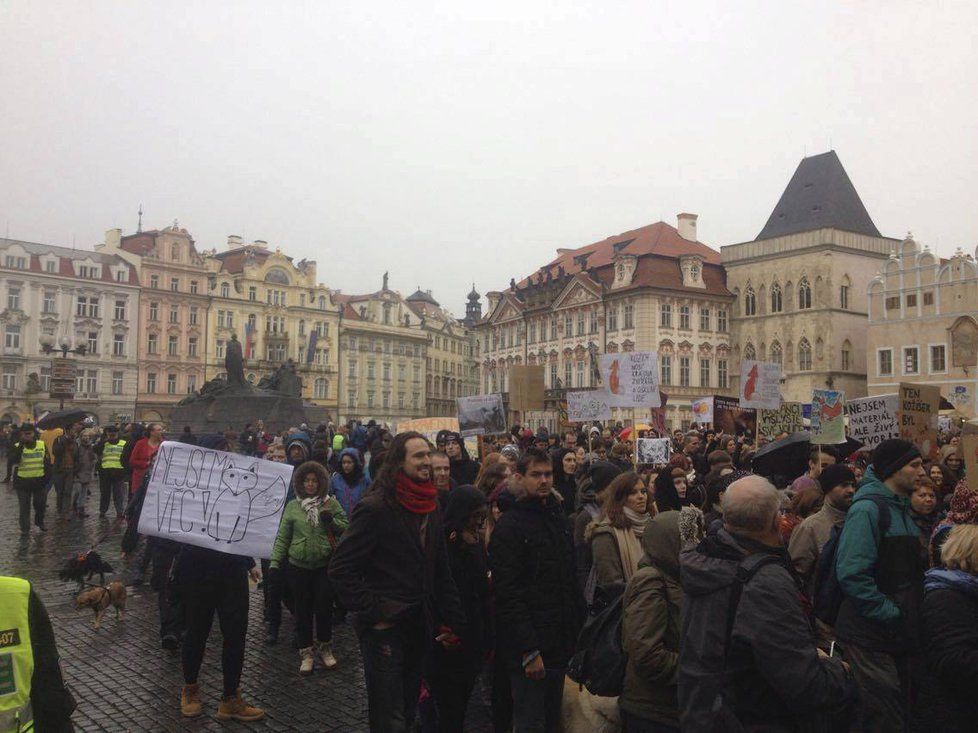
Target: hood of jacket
{"x":462,"y":501}
{"x":661,"y":543}
{"x":303,"y":441}
{"x":870,"y":485}
{"x":959,"y":580}
{"x":712,"y":564}
{"x":304,"y":469}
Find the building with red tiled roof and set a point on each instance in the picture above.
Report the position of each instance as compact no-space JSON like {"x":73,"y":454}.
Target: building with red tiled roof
{"x":652,"y":288}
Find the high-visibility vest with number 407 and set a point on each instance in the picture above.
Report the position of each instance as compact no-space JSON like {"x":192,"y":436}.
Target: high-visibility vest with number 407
{"x":16,"y":656}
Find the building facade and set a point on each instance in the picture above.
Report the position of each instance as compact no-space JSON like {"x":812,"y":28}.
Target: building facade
{"x":653,"y":288}
{"x":800,"y":286}
{"x":922,"y":324}
{"x":55,"y":297}
{"x":383,"y":352}
{"x":173,"y":313}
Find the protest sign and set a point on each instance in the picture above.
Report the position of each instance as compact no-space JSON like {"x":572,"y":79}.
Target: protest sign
{"x":828,"y":417}
{"x":961,"y":395}
{"x":653,"y":450}
{"x":785,"y":419}
{"x":631,"y":378}
{"x":729,"y":417}
{"x":969,"y":447}
{"x":702,"y":410}
{"x":919,"y":406}
{"x":526,"y":388}
{"x":657,"y":419}
{"x":873,"y":419}
{"x":481,"y":415}
{"x":222,"y":501}
{"x":760,"y":384}
{"x":588,"y":405}
{"x":429,"y":427}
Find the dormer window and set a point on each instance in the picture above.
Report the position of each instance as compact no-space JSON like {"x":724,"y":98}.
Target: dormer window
{"x":15,"y":262}
{"x":50,"y":265}
{"x":89,"y":272}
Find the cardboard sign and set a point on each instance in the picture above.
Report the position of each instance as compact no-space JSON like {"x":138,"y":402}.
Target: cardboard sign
{"x":962,"y":396}
{"x":730,"y":418}
{"x":828,"y":417}
{"x":919,"y":406}
{"x":760,"y":384}
{"x":653,"y":450}
{"x":588,"y":405}
{"x":785,"y":419}
{"x":209,"y":498}
{"x":631,"y":378}
{"x":526,"y":388}
{"x":481,"y":415}
{"x":702,"y":410}
{"x":873,"y":419}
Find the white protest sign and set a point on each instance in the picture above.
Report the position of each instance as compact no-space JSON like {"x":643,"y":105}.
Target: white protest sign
{"x":631,"y":378}
{"x":653,"y":450}
{"x":873,"y":419}
{"x":481,"y":415}
{"x":760,"y":384}
{"x":587,"y":405}
{"x":702,"y":410}
{"x":222,"y":501}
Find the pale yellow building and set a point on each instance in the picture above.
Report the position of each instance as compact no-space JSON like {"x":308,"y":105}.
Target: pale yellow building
{"x":800,"y":286}
{"x":278,"y":311}
{"x":922,"y":324}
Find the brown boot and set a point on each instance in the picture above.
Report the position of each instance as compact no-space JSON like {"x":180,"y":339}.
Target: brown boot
{"x":234,"y":708}
{"x":190,"y":705}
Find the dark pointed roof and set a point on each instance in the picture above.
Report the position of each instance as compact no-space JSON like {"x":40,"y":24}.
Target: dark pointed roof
{"x":819,"y":195}
{"x":421,"y":296}
{"x":474,"y":295}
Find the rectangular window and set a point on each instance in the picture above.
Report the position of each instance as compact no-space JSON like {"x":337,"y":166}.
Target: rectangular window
{"x":911,"y":360}
{"x":846,"y":359}
{"x":151,"y":383}
{"x":722,"y":376}
{"x":9,"y":377}
{"x":11,"y":337}
{"x":580,"y":374}
{"x":417,"y":373}
{"x":154,"y":311}
{"x":91,"y":382}
{"x":683,"y":371}
{"x":351,"y":368}
{"x":152,"y":343}
{"x":613,"y":318}
{"x":553,"y":376}
{"x":385,"y":398}
{"x":81,"y":306}
{"x":121,"y":276}
{"x":192,"y":346}
{"x":92,"y":342}
{"x":722,"y":320}
{"x":370,"y":398}
{"x":117,"y":383}
{"x":371,"y":369}
{"x":171,"y":383}
{"x":684,"y":317}
{"x":16,"y":263}
{"x":221,"y":319}
{"x":49,"y":266}
{"x":938,"y":358}
{"x":193,"y":287}
{"x":13,"y":299}
{"x":120,"y":310}
{"x":193,"y":315}
{"x":553,"y":328}
{"x":665,"y":370}
{"x":175,"y":284}
{"x":911,"y":300}
{"x":386,"y":371}
{"x":884,"y":361}
{"x":844,"y":297}
{"x":174,"y":314}
{"x":46,"y":379}
{"x":191,"y":383}
{"x":593,"y":322}
{"x":119,"y":344}
{"x":568,"y":375}
{"x":220,"y":349}
{"x":351,"y":398}
{"x":253,"y":293}
{"x":171,"y":346}
{"x":665,"y":315}
{"x":568,"y":325}
{"x":154,"y":281}
{"x":893,"y":303}
{"x":629,"y":316}
{"x":50,"y":303}
{"x":531,"y":333}
{"x":929,"y":298}
{"x":400,"y":400}
{"x":704,"y":372}
{"x":704,"y":319}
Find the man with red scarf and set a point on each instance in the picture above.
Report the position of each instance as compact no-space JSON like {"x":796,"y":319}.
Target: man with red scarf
{"x":391,"y":570}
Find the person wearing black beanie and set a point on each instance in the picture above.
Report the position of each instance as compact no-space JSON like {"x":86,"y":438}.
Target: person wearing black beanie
{"x":880,"y":570}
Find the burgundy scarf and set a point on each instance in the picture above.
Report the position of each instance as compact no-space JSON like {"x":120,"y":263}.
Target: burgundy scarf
{"x":416,"y":498}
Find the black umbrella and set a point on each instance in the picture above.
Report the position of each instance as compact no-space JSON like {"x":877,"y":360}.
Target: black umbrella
{"x":788,"y":457}
{"x":61,"y":419}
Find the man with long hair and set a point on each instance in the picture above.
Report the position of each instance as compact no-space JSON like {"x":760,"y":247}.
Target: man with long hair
{"x":391,"y":570}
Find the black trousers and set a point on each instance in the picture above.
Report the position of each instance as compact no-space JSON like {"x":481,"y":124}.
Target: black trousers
{"x":451,"y":677}
{"x":312,"y":595}
{"x":31,"y":491}
{"x":276,"y":592}
{"x":228,"y":597}
{"x":167,"y":599}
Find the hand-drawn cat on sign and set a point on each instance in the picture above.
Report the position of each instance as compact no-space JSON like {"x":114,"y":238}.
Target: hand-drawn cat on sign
{"x":236,"y":505}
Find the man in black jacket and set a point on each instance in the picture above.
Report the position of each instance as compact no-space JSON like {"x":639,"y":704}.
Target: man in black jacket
{"x":538,"y":607}
{"x":391,"y":569}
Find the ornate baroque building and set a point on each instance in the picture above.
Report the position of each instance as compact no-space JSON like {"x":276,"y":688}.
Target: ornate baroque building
{"x":57,"y":296}
{"x":922,"y":323}
{"x":652,"y":288}
{"x":801,"y":284}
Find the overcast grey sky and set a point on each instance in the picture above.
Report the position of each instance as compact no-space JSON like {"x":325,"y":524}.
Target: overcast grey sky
{"x":453,"y":142}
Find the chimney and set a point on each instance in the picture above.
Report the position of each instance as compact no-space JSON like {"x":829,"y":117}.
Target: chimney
{"x":113,"y":239}
{"x":234,"y":241}
{"x":261,"y":243}
{"x":687,"y":226}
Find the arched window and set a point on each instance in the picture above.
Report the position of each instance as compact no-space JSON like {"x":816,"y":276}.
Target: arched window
{"x":776,"y":303}
{"x":320,"y":389}
{"x":749,"y":353}
{"x":750,"y":302}
{"x":844,"y":293}
{"x":225,"y":290}
{"x":804,"y":356}
{"x":322,"y":302}
{"x":804,"y":294}
{"x":846,"y":354}
{"x":777,"y":354}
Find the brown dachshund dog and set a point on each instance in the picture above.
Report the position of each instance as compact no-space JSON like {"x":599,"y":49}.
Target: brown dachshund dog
{"x":100,"y":598}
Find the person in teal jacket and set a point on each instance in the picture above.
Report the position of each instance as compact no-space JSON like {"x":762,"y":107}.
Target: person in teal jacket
{"x":311,"y":526}
{"x":881,"y":574}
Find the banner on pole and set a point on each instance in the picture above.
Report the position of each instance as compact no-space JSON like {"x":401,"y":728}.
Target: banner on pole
{"x":760,"y":384}
{"x":873,"y":419}
{"x":785,"y":419}
{"x":702,"y":410}
{"x":588,"y":405}
{"x":209,"y":498}
{"x":631,"y":378}
{"x":828,"y":417}
{"x":653,"y":450}
{"x":919,"y":406}
{"x":481,"y":415}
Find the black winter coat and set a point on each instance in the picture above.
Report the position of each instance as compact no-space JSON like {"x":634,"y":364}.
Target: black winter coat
{"x":538,"y":604}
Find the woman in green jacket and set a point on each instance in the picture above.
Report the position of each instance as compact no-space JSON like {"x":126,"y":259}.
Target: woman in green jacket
{"x":310,"y":528}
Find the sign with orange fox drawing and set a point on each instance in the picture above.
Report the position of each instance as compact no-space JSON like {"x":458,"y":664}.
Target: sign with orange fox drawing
{"x":631,"y":378}
{"x":828,"y":417}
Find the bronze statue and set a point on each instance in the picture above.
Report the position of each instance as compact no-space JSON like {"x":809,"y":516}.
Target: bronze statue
{"x":234,"y":363}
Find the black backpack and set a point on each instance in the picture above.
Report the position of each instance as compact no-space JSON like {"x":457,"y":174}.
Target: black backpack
{"x":599,"y":662}
{"x":827,"y":592}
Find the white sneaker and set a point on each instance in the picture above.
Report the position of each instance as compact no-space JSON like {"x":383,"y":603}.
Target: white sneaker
{"x":306,"y":660}
{"x":325,"y":653}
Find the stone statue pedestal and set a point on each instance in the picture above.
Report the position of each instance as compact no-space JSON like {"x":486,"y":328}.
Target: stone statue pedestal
{"x":219,"y":412}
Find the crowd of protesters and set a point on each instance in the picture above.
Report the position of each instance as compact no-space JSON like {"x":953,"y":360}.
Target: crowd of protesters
{"x":839,"y":596}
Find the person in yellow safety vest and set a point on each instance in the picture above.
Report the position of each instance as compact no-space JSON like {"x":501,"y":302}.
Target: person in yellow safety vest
{"x":339,"y":440}
{"x":33,"y":695}
{"x":31,"y":477}
{"x":111,"y":472}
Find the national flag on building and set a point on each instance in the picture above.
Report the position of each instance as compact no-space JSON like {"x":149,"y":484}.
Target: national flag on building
{"x":249,"y":339}
{"x":313,"y":339}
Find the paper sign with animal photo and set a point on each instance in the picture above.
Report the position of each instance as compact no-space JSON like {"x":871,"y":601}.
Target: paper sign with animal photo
{"x":760,"y":384}
{"x":785,"y":419}
{"x":828,"y":417}
{"x":873,"y":419}
{"x":631,"y":378}
{"x":653,"y":450}
{"x":209,"y":498}
{"x":702,"y":410}
{"x":919,"y":407}
{"x":729,"y":417}
{"x":962,"y":396}
{"x":481,"y":415}
{"x":587,"y":405}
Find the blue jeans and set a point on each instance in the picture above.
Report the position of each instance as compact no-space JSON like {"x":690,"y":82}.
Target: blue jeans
{"x":393,"y":660}
{"x":536,"y":703}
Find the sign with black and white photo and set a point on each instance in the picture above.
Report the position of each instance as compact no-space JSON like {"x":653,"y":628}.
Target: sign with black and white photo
{"x":873,"y":419}
{"x":653,"y":450}
{"x":481,"y":415}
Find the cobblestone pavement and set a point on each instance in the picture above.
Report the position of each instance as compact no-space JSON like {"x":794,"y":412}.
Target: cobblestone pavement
{"x":124,"y":681}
